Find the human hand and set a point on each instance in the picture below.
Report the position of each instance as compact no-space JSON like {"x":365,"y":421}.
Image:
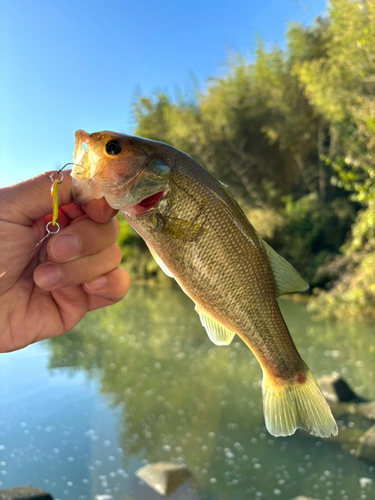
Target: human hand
{"x":47,"y":290}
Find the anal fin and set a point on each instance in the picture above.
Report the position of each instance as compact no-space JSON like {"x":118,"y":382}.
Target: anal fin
{"x":217,"y":333}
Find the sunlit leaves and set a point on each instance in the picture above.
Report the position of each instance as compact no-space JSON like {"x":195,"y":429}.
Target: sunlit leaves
{"x":299,"y":123}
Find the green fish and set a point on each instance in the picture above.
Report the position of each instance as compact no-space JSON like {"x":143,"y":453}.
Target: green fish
{"x":198,"y":234}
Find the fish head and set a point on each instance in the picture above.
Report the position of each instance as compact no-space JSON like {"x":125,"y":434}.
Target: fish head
{"x":126,"y":170}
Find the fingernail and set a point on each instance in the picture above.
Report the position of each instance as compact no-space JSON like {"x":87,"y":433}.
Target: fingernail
{"x":47,"y":276}
{"x":97,"y":283}
{"x":106,"y":211}
{"x":65,"y":247}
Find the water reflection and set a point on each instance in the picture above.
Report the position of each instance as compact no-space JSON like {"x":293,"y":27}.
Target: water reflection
{"x":183,"y":399}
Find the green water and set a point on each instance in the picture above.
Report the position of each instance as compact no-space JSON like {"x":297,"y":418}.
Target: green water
{"x":141,"y":382}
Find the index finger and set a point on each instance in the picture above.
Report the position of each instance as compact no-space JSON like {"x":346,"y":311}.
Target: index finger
{"x":31,"y":200}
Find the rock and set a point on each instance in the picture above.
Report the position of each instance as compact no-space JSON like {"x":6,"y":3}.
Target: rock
{"x":303,"y":498}
{"x":336,"y":390}
{"x":365,"y":481}
{"x":164,"y":477}
{"x":366,"y":409}
{"x":366,"y":448}
{"x":25,"y":493}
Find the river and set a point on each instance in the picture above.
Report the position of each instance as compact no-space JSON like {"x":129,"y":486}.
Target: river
{"x":141,"y":382}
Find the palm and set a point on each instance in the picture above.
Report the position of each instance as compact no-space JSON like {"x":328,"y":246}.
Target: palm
{"x":36,"y":314}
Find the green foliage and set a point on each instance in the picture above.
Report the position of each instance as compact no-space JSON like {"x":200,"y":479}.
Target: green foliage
{"x":305,"y":233}
{"x":353,"y":296}
{"x":311,"y":234}
{"x":293,"y":135}
{"x":341,"y":85}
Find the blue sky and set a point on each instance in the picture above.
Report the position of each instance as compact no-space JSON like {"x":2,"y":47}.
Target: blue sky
{"x":66,"y":65}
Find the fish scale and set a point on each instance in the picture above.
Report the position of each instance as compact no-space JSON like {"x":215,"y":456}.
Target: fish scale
{"x":238,"y":287}
{"x":199,"y":235}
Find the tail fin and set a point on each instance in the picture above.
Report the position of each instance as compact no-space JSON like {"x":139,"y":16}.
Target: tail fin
{"x":298,"y":404}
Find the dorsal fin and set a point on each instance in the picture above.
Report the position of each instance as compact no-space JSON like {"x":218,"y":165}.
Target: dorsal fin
{"x":159,"y":262}
{"x":217,"y":333}
{"x":287,"y":279}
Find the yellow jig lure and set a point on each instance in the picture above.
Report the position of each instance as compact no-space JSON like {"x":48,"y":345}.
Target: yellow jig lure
{"x":54,"y":196}
{"x":55,"y":202}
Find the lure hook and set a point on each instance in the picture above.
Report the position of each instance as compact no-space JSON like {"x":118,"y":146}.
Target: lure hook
{"x":66,"y":164}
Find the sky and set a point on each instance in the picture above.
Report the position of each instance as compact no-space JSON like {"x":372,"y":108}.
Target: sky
{"x":68,"y":65}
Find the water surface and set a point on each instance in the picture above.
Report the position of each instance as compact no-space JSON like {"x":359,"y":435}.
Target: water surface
{"x":141,"y":382}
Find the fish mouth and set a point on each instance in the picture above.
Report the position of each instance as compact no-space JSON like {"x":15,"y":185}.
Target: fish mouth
{"x":135,"y":184}
{"x":86,"y":185}
{"x":82,"y":141}
{"x":83,"y":188}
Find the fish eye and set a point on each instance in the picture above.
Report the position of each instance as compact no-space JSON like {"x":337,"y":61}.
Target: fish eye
{"x":113,"y":148}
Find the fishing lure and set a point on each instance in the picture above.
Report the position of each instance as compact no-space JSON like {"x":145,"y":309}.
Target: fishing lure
{"x":55,"y":206}
{"x":55,"y":199}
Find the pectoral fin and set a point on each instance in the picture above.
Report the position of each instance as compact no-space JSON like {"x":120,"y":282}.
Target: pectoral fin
{"x":159,"y":262}
{"x":217,"y":333}
{"x":181,"y":229}
{"x":288,"y":280}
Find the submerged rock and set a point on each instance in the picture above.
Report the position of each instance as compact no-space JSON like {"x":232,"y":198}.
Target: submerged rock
{"x":303,"y":498}
{"x":164,"y":477}
{"x":365,"y":481}
{"x":366,"y":409}
{"x":366,"y":448}
{"x":336,"y":390}
{"x":24,"y":493}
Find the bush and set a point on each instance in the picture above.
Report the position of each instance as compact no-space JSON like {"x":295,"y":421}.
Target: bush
{"x":312,"y":233}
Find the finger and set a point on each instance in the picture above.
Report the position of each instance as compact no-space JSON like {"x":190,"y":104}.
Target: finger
{"x":31,"y":200}
{"x":108,"y":288}
{"x":99,"y":210}
{"x":71,"y":211}
{"x":38,"y":229}
{"x":85,"y":237}
{"x":66,"y":216}
{"x":54,"y":276}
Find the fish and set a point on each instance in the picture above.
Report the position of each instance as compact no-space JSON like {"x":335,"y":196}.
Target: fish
{"x":200,"y":236}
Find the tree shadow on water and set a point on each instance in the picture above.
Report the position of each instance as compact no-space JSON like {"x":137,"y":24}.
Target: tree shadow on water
{"x":185,"y":400}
